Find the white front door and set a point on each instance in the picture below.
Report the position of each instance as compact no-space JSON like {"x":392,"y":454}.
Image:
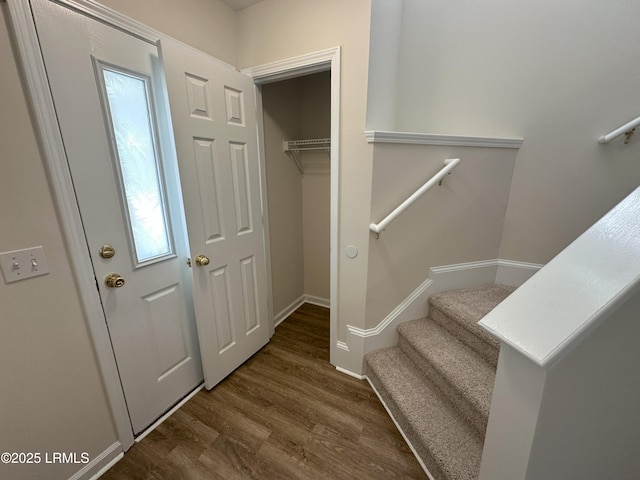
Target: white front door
{"x":213,"y":111}
{"x":110,"y":96}
{"x":108,"y":92}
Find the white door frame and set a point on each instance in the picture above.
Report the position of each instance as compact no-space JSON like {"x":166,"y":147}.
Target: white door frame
{"x":314,"y":62}
{"x":59,"y":176}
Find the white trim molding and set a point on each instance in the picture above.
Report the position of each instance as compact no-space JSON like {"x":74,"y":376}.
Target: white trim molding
{"x":100,"y":464}
{"x":102,"y":13}
{"x":410,"y":138}
{"x":313,"y":300}
{"x":319,"y":61}
{"x":515,"y":273}
{"x":307,"y":64}
{"x":175,"y":408}
{"x":361,"y":341}
{"x":59,"y":177}
{"x":319,"y":301}
{"x":406,"y":438}
{"x":293,"y":306}
{"x":351,"y":374}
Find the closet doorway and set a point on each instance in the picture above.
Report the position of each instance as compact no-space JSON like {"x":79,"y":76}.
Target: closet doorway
{"x":300,"y":100}
{"x":297,"y":142}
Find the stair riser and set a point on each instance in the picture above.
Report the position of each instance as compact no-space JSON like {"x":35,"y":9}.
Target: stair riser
{"x":467,"y":409}
{"x":488,"y":352}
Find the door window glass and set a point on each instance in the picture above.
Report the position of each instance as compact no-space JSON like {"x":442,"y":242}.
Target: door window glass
{"x":134,"y":136}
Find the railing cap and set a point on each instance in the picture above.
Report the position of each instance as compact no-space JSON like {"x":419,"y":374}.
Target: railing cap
{"x":576,"y":291}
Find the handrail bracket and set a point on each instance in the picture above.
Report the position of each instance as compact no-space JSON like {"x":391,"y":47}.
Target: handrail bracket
{"x":627,"y":129}
{"x":442,"y":180}
{"x":629,"y":134}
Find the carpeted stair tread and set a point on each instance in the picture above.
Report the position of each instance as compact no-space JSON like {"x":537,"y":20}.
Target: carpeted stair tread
{"x":447,"y":443}
{"x":459,"y":312}
{"x":461,"y":374}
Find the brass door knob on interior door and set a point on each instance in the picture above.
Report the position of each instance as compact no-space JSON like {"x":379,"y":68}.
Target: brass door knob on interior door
{"x":113,"y":280}
{"x":202,"y":260}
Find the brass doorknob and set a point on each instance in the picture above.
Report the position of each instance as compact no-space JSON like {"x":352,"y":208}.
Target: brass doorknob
{"x":113,"y":280}
{"x":202,"y":260}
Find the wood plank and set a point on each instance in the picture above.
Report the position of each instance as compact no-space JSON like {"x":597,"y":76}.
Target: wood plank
{"x":285,"y":413}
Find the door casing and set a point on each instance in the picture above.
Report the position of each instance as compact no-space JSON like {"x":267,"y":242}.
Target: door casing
{"x":310,"y":63}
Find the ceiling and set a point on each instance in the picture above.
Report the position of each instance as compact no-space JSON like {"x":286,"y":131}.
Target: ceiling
{"x":239,"y":4}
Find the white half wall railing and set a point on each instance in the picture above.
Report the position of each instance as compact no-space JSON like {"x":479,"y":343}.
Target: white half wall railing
{"x":449,"y":164}
{"x":566,"y":390}
{"x":627,"y":129}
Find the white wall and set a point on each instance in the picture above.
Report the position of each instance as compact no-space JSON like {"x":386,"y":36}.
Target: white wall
{"x":558,"y":74}
{"x":384,"y":51}
{"x":515,"y":405}
{"x":589,"y":425}
{"x":51,"y":390}
{"x":579,"y":419}
{"x":566,"y":395}
{"x":275,"y":30}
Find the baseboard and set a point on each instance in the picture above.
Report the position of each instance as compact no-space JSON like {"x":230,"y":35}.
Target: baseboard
{"x":155,"y":424}
{"x":319,"y":301}
{"x":350,"y":373}
{"x":112,"y":455}
{"x":406,"y":439}
{"x":99,"y":465}
{"x":440,"y":279}
{"x":515,"y":273}
{"x":280,"y":317}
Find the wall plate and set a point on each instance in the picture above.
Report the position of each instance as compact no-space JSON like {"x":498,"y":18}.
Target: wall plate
{"x":21,"y":264}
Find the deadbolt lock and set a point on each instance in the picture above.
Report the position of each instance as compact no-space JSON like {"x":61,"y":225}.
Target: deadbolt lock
{"x":114,"y":280}
{"x":107,"y":251}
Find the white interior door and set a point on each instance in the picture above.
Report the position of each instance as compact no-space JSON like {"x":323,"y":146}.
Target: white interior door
{"x":108,"y":92}
{"x":213,"y":113}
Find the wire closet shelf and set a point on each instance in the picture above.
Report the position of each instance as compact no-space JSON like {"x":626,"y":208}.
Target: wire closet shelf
{"x":293,"y":148}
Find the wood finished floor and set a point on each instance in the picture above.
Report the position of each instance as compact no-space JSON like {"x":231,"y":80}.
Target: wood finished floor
{"x":286,"y":413}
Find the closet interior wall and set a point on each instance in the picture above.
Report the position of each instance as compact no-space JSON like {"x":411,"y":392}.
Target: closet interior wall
{"x":299,"y":205}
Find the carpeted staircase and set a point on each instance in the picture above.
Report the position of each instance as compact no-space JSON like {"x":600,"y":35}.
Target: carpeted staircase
{"x":437,"y":383}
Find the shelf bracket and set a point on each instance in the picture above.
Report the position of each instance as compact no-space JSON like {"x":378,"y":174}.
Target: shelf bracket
{"x":295,"y":156}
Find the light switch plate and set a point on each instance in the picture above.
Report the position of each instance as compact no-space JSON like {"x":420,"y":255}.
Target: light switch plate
{"x":21,"y":264}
